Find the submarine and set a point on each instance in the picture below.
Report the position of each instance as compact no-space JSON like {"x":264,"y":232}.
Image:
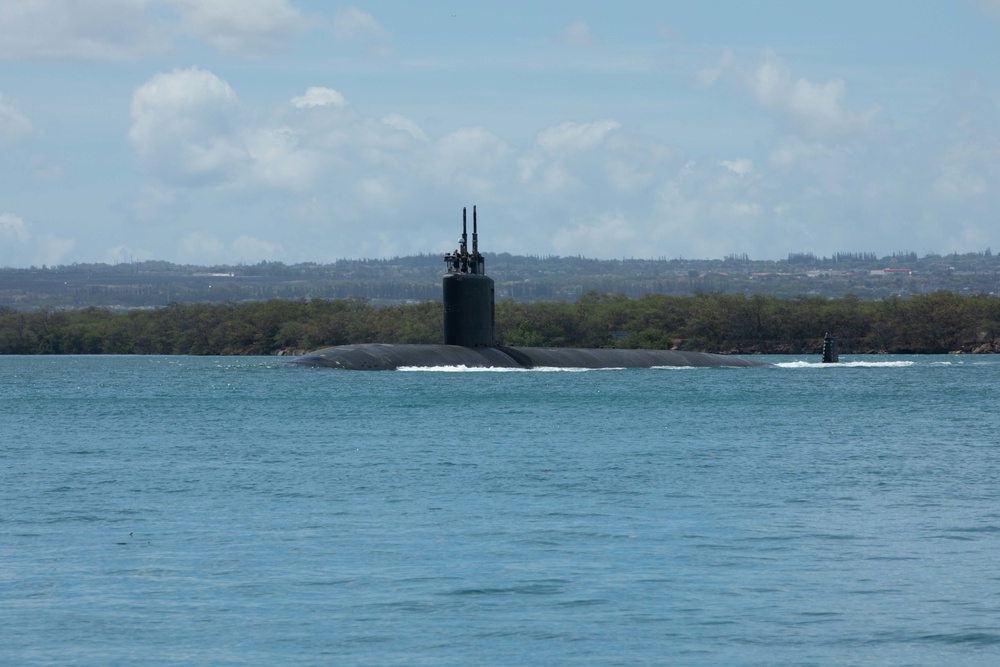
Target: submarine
{"x":468,"y":296}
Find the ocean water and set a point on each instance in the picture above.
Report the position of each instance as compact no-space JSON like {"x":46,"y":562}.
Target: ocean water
{"x":179,"y":510}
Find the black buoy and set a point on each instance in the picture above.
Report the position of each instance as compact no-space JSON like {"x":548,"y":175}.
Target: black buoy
{"x":831,"y":354}
{"x":468,"y":294}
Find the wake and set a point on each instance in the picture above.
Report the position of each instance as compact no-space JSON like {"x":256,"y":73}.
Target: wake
{"x":845,"y":364}
{"x":496,"y":369}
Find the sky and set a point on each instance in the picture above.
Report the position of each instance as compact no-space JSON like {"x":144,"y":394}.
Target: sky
{"x":238,"y":131}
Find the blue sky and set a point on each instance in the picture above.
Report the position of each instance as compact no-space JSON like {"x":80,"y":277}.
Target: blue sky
{"x":227,"y":131}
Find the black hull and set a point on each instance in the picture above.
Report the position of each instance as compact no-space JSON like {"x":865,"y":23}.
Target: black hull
{"x":382,"y":357}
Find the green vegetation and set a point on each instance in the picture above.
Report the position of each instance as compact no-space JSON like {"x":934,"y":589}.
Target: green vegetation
{"x":936,"y":323}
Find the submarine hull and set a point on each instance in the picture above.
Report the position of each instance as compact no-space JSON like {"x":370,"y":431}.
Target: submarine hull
{"x":383,"y":357}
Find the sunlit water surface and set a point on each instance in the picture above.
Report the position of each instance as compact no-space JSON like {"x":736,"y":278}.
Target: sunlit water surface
{"x":170,"y":510}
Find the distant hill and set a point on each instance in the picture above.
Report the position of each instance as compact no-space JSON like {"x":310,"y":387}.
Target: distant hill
{"x":519,"y":278}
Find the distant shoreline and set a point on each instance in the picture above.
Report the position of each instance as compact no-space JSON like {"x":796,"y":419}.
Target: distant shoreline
{"x":526,"y":279}
{"x":937,"y":323}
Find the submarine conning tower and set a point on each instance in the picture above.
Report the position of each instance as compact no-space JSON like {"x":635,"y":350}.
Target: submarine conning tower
{"x":468,"y":293}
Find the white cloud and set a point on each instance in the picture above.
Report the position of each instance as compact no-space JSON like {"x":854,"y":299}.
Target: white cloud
{"x":206,"y":248}
{"x":567,"y":138}
{"x":55,"y":250}
{"x":739,"y":166}
{"x":466,"y":153}
{"x":595,"y":236}
{"x":201,"y":248}
{"x":577,"y":33}
{"x":249,"y":249}
{"x":13,"y":228}
{"x":106,"y":30}
{"x":184,"y":128}
{"x":527,"y":165}
{"x":707,"y":76}
{"x":813,"y":156}
{"x":625,"y":176}
{"x":565,"y":158}
{"x":600,"y":189}
{"x":73,"y":30}
{"x":816,"y":109}
{"x":14,"y":125}
{"x":153,"y":200}
{"x":22,"y":247}
{"x":187,"y":131}
{"x":278,"y":159}
{"x":248,"y":26}
{"x":555,"y":178}
{"x":811,"y":168}
{"x":398,"y":122}
{"x":317,"y":96}
{"x":967,"y":171}
{"x":351,"y":24}
{"x":376,"y":192}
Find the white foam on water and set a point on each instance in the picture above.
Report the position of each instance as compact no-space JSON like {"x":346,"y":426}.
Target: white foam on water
{"x":845,"y":364}
{"x":496,"y":369}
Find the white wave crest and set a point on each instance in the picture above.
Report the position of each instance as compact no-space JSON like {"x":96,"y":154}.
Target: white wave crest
{"x":496,"y":369}
{"x":845,"y":364}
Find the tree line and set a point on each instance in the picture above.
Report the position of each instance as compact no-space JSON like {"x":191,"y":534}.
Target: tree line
{"x":934,"y":323}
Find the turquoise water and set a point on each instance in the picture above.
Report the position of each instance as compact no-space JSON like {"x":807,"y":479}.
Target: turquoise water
{"x":175,"y":510}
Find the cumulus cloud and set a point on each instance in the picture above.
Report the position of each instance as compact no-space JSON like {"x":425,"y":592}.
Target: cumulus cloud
{"x":22,"y":246}
{"x":251,"y":249}
{"x":278,"y":159}
{"x":403,"y":124}
{"x":815,"y":108}
{"x":807,"y":108}
{"x":184,"y":128}
{"x":556,"y":178}
{"x":469,"y":154}
{"x":967,"y":171}
{"x":54,"y":250}
{"x":351,"y":24}
{"x":599,"y":189}
{"x":188,"y":132}
{"x":708,"y":209}
{"x":105,"y":30}
{"x":625,"y":176}
{"x":317,"y":96}
{"x":594,"y":236}
{"x":248,"y":26}
{"x":739,"y":166}
{"x":13,"y":228}
{"x":565,"y":158}
{"x":707,"y":76}
{"x":73,"y":30}
{"x":14,"y":125}
{"x":207,"y":248}
{"x":201,"y":248}
{"x":567,"y":138}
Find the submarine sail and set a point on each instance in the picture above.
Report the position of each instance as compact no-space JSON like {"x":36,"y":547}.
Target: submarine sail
{"x":468,"y":294}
